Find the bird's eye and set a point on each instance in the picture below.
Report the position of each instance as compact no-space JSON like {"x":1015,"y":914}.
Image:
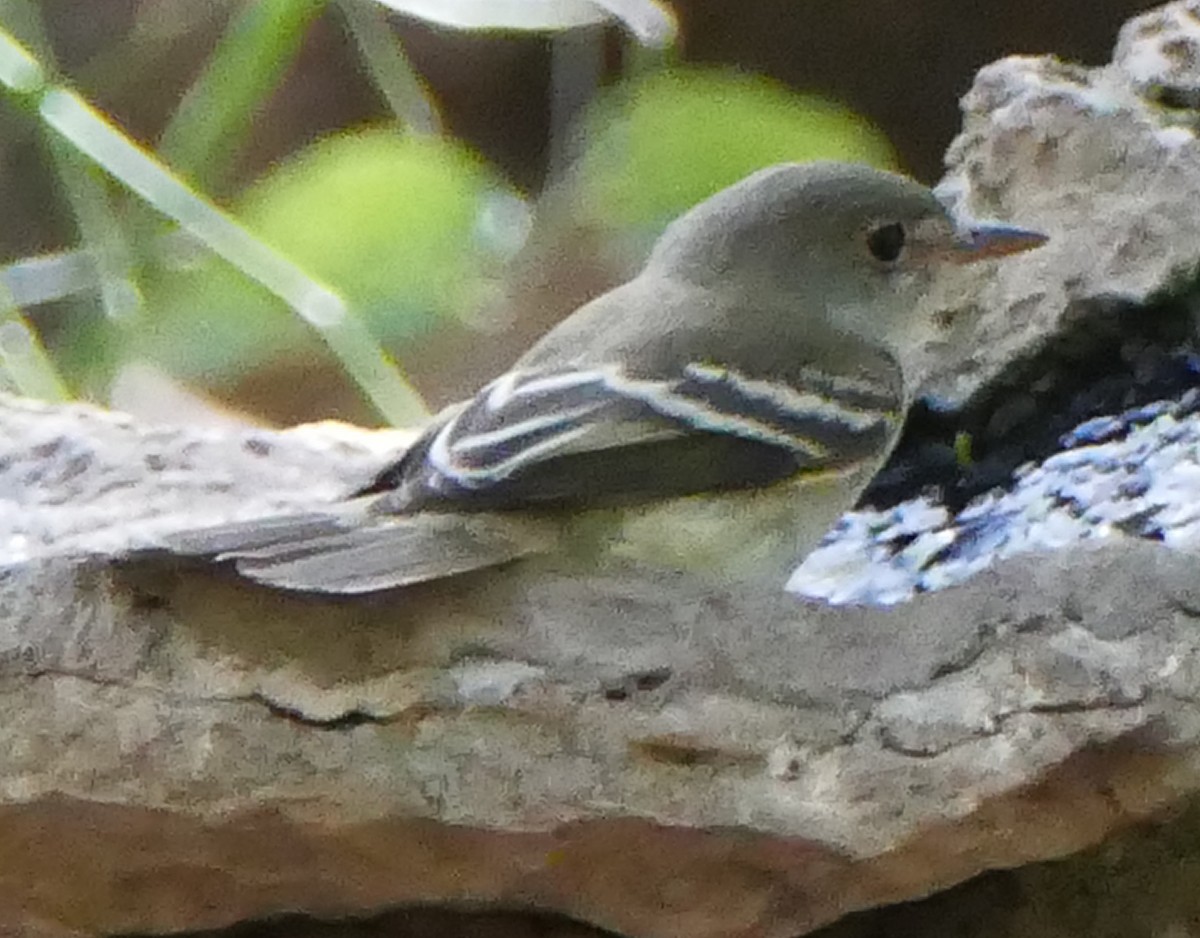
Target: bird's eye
{"x":886,"y":242}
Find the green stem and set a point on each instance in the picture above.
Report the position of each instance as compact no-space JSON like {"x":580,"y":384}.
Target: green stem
{"x":96,"y":138}
{"x":390,"y":69}
{"x":217,"y":112}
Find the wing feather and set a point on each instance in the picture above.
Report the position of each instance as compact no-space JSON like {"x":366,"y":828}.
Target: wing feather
{"x":601,"y":435}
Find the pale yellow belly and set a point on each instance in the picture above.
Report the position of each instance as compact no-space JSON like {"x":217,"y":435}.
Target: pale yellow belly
{"x":757,"y":535}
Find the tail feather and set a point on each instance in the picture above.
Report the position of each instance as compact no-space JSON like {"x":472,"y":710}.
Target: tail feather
{"x":237,"y":536}
{"x":333,"y":554}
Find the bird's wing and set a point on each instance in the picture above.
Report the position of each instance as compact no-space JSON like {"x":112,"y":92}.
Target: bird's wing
{"x":600,"y":436}
{"x":569,"y":438}
{"x":564,"y":438}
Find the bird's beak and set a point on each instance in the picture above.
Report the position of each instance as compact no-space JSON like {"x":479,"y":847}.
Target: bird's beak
{"x":977,"y":242}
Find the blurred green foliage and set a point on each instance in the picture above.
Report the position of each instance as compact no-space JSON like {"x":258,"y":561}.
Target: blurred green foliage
{"x":658,"y":144}
{"x":389,"y":221}
{"x":411,"y":230}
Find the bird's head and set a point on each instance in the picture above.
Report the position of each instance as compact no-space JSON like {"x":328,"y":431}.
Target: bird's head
{"x":840,"y":246}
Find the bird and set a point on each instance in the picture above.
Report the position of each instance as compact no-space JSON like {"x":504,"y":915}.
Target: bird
{"x":716,"y":413}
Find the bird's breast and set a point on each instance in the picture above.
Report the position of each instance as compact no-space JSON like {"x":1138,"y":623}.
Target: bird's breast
{"x":736,"y":536}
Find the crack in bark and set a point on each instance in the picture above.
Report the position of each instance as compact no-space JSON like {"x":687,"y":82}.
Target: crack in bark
{"x":343,"y":721}
{"x":890,"y":743}
{"x":346,"y":720}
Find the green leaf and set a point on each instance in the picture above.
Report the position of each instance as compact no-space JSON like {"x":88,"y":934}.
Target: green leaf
{"x":660,"y":144}
{"x":394,"y":224}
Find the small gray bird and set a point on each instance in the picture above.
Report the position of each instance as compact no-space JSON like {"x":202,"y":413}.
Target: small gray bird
{"x":718,"y":412}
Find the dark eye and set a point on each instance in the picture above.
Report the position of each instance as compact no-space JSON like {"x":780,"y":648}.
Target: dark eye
{"x":886,"y":241}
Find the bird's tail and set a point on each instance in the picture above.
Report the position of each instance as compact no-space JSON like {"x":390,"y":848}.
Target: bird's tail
{"x":344,"y":552}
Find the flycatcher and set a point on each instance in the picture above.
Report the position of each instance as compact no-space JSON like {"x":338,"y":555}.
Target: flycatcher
{"x":719,"y":411}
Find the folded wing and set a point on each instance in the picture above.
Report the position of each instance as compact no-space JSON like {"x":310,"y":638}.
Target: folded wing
{"x":573,"y":439}
{"x":600,"y":436}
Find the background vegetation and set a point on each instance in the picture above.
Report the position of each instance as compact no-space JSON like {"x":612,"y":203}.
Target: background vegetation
{"x":310,"y":208}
